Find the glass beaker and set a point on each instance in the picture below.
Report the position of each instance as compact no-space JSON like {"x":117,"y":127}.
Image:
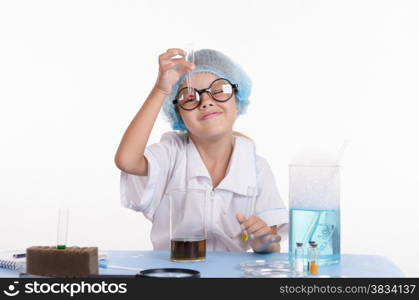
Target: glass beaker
{"x":315,"y":210}
{"x":188,"y":235}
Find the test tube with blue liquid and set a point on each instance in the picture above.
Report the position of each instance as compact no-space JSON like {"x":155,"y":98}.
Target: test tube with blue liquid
{"x":62,"y":228}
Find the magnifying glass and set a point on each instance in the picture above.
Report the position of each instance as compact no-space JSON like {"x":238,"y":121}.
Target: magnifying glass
{"x":156,"y":273}
{"x":153,"y":273}
{"x":169,"y":273}
{"x":148,"y":273}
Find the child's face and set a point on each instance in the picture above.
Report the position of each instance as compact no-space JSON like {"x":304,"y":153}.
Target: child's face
{"x":198,"y":122}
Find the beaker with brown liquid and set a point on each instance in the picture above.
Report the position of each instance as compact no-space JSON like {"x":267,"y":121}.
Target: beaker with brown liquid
{"x":187,"y":250}
{"x":187,"y":224}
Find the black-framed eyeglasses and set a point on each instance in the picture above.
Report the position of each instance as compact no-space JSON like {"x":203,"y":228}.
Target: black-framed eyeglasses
{"x":220,"y":90}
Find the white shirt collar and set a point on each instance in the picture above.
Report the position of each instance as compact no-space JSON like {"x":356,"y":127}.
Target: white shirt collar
{"x":241,"y":171}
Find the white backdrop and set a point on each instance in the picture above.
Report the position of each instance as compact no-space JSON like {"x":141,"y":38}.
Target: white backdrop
{"x":74,"y":73}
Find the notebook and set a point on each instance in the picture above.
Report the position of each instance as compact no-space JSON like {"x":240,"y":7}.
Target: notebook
{"x":8,"y":262}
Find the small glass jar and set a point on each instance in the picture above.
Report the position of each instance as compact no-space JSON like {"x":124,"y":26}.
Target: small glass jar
{"x":299,"y":259}
{"x":313,"y":265}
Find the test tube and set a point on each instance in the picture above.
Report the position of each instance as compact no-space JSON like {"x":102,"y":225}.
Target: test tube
{"x":190,"y":57}
{"x":62,"y":228}
{"x":251,"y":195}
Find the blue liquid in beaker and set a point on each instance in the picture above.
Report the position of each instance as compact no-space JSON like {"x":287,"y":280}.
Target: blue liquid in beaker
{"x":320,"y":226}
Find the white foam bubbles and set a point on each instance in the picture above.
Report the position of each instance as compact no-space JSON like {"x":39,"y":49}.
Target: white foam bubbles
{"x":314,"y":179}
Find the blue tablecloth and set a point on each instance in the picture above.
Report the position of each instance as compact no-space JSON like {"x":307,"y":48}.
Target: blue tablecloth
{"x":226,"y":264}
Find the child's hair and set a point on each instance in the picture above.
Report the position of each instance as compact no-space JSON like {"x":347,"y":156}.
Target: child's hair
{"x":217,"y":63}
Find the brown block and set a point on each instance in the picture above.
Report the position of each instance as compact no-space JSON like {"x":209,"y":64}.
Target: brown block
{"x":69,"y":262}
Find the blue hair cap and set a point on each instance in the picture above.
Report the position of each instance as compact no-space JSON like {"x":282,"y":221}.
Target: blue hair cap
{"x":217,"y":63}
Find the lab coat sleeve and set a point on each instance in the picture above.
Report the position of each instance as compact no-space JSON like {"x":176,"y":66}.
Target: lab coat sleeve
{"x":269,"y":205}
{"x":144,"y":193}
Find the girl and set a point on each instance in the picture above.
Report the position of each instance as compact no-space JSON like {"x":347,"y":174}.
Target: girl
{"x":204,"y":153}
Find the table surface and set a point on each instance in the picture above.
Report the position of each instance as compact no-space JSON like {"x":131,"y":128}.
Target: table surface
{"x":226,"y":264}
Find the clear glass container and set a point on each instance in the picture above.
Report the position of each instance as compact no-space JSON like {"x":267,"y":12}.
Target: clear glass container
{"x":299,"y":259}
{"x":312,"y":261}
{"x":314,"y":195}
{"x":188,"y":234}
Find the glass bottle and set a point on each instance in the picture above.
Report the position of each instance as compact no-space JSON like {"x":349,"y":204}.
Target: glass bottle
{"x":313,"y":266}
{"x":299,"y":259}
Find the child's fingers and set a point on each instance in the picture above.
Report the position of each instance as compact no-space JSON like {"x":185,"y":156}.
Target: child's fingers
{"x":275,"y":238}
{"x":269,"y":239}
{"x":172,"y":52}
{"x":265,"y":230}
{"x":253,"y":221}
{"x":265,"y":241}
{"x":177,"y":51}
{"x":255,"y":227}
{"x":165,"y":58}
{"x":240,"y":218}
{"x":249,"y":222}
{"x":167,"y":67}
{"x":183,"y":62}
{"x":179,"y":64}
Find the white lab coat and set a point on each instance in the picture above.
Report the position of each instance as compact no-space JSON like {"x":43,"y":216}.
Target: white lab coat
{"x":175,"y":163}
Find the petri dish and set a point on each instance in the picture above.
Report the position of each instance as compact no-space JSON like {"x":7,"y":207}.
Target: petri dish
{"x":267,"y":268}
{"x":253,"y":264}
{"x":274,"y":264}
{"x":270,"y":274}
